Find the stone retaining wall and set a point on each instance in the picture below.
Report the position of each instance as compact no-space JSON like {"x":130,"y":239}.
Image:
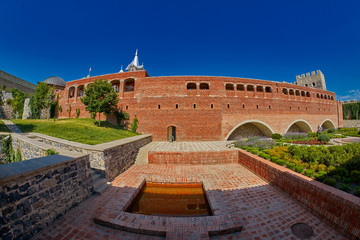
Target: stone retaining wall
{"x":351,"y":123}
{"x":110,"y":158}
{"x":193,"y":158}
{"x":339,"y":209}
{"x":36,"y":192}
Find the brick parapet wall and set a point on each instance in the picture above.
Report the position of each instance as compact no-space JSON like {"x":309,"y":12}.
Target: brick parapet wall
{"x":111,"y":158}
{"x":36,"y":192}
{"x":339,"y":209}
{"x":193,"y":158}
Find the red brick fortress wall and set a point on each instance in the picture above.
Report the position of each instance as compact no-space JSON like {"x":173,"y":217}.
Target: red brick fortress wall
{"x":213,"y":113}
{"x":339,"y":209}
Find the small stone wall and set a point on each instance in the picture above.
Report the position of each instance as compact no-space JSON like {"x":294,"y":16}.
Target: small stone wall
{"x":193,"y":158}
{"x":110,"y":158}
{"x":351,"y":123}
{"x":339,"y":209}
{"x":36,"y":192}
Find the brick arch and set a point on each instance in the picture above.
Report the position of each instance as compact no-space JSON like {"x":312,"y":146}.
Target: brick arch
{"x":301,"y":125}
{"x":265,"y":129}
{"x":327,"y":124}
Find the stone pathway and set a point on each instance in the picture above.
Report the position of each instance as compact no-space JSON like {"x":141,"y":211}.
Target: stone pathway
{"x":265,"y":212}
{"x":12,"y":126}
{"x":142,"y":157}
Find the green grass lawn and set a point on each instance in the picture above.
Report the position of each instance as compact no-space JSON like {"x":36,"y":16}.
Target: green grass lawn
{"x":3,"y":127}
{"x":77,"y":130}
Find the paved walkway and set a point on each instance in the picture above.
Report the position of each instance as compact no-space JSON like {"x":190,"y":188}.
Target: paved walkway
{"x":12,"y":126}
{"x":266,"y":213}
{"x":202,"y":146}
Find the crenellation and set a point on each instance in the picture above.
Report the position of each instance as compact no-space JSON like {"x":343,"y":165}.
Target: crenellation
{"x":314,"y":80}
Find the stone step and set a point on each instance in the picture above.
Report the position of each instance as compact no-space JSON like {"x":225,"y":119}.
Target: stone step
{"x":100,"y":185}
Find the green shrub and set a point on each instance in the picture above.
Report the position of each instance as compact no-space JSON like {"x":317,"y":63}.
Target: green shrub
{"x":309,"y":173}
{"x":337,"y":177}
{"x":3,"y":87}
{"x":322,"y":167}
{"x":77,"y":112}
{"x":312,"y":134}
{"x":320,"y":176}
{"x":299,"y":169}
{"x":276,"y":136}
{"x":331,"y":169}
{"x":357,"y":191}
{"x":266,"y":151}
{"x":291,"y":166}
{"x":331,"y":130}
{"x":253,"y":151}
{"x":330,"y":181}
{"x":342,"y":172}
{"x":347,"y":180}
{"x":281,"y":162}
{"x":267,"y":156}
{"x":355,"y":176}
{"x":324,"y":138}
{"x":51,"y":151}
{"x":345,"y":187}
{"x":353,"y":163}
{"x":314,"y":167}
{"x":274,"y":159}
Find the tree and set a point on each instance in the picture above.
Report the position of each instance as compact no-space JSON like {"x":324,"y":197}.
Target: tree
{"x":18,"y":101}
{"x":49,"y":100}
{"x":43,"y":97}
{"x":100,"y":97}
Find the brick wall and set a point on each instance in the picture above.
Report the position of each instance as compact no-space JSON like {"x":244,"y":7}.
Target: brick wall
{"x":36,"y":192}
{"x":192,"y":158}
{"x":339,"y":209}
{"x":159,"y":102}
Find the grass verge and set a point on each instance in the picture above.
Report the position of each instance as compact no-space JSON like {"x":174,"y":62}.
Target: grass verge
{"x":77,"y":130}
{"x":3,"y":127}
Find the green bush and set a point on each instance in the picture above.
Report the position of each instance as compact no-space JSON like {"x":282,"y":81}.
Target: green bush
{"x":309,"y":173}
{"x":77,"y":112}
{"x":337,"y":177}
{"x":357,"y":191}
{"x":330,"y":181}
{"x":324,"y":138}
{"x":267,"y":156}
{"x":276,"y":136}
{"x":50,"y":151}
{"x":347,"y":180}
{"x":253,"y":151}
{"x":342,"y":172}
{"x":299,"y":169}
{"x":331,"y":130}
{"x":355,"y":176}
{"x":274,"y":159}
{"x":345,"y":187}
{"x":291,"y":166}
{"x":331,"y":169}
{"x":281,"y":162}
{"x":312,"y":134}
{"x":320,"y":176}
{"x":261,"y":154}
{"x":322,"y":167}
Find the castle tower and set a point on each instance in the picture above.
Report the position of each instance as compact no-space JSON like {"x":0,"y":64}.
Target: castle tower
{"x":313,"y":80}
{"x":134,"y":65}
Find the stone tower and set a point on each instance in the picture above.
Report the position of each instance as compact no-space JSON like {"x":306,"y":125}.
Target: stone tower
{"x":313,"y":80}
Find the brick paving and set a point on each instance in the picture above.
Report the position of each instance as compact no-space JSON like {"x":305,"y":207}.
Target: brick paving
{"x":265,"y":212}
{"x":199,"y":146}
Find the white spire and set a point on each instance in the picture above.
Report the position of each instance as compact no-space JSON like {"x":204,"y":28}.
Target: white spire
{"x":136,"y":59}
{"x":121,"y":70}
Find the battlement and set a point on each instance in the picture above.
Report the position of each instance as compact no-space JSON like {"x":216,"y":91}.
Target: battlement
{"x":313,"y":80}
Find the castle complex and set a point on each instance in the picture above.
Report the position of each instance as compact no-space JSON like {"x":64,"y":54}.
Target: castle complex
{"x":191,"y":108}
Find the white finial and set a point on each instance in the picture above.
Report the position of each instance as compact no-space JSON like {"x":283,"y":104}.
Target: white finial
{"x":136,"y":52}
{"x":121,"y":69}
{"x":136,"y":59}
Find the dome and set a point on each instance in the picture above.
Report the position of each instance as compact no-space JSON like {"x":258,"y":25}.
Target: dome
{"x":56,"y":81}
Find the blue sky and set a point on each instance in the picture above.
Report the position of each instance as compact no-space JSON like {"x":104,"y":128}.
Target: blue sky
{"x":270,"y":40}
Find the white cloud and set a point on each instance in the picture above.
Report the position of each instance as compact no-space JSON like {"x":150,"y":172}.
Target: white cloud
{"x":352,"y":95}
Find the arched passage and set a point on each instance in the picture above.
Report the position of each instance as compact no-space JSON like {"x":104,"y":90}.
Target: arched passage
{"x":298,"y":126}
{"x":250,"y":128}
{"x":327,"y":124}
{"x":171,"y":133}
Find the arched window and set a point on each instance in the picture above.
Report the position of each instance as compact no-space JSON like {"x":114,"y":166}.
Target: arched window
{"x":332,"y":98}
{"x":240,"y":87}
{"x":259,"y":89}
{"x":297,"y":92}
{"x":313,"y":84}
{"x":318,"y":95}
{"x":71,"y":92}
{"x":291,"y":92}
{"x":204,"y":86}
{"x":321,"y":96}
{"x":115,"y":85}
{"x":285,"y":91}
{"x":229,"y":86}
{"x":129,"y":85}
{"x":191,"y":86}
{"x":268,"y":89}
{"x":325,"y":96}
{"x":80,"y":92}
{"x":250,"y":88}
{"x":303,"y":94}
{"x":308,"y":94}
